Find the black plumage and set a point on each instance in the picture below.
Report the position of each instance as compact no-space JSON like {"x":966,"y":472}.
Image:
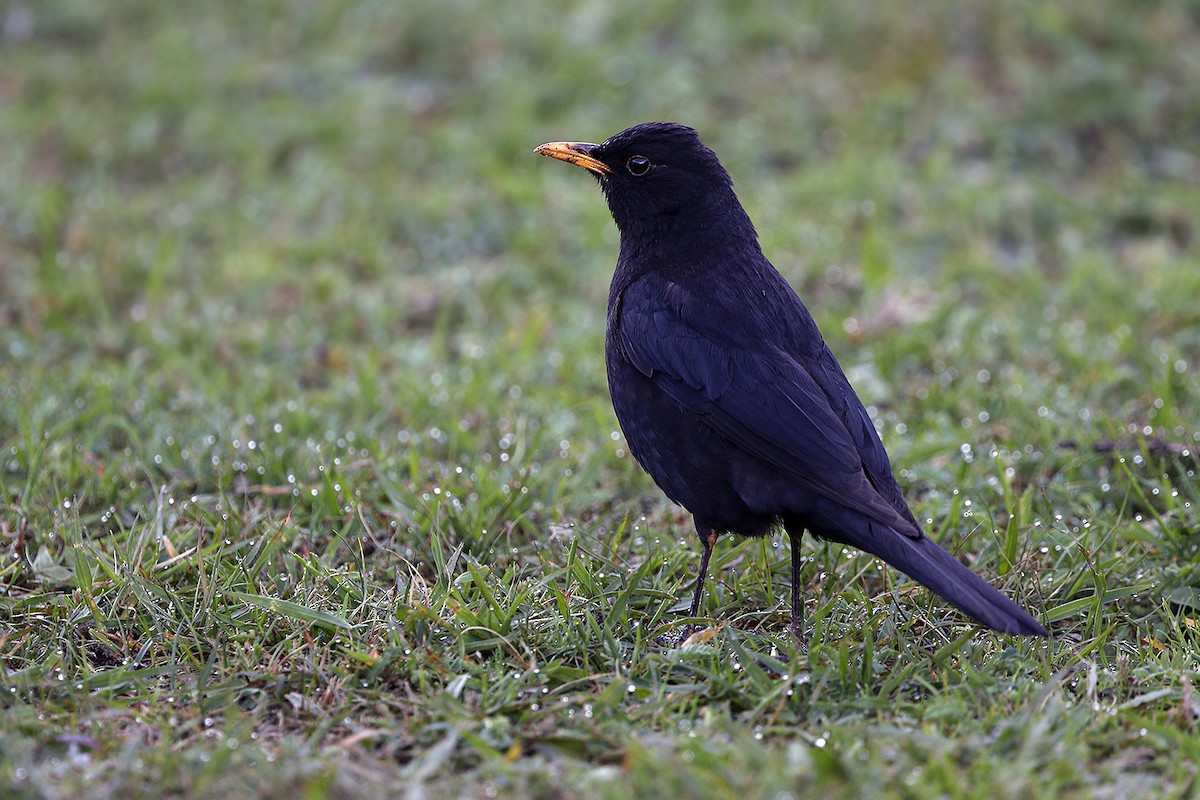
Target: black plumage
{"x":725,"y":389}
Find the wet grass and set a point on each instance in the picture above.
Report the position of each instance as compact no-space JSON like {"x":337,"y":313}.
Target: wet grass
{"x":308,"y":478}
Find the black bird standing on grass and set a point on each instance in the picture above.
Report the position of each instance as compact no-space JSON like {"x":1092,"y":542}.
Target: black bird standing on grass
{"x":724,"y":387}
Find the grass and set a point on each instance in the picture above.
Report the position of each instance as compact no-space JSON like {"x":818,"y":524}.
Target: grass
{"x":309,"y":484}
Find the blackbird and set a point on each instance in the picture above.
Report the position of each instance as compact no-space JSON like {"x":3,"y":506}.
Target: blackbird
{"x":725,"y":389}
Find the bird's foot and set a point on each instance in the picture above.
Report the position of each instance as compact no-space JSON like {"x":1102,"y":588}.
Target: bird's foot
{"x":688,"y":635}
{"x":799,"y":634}
{"x":674,"y":638}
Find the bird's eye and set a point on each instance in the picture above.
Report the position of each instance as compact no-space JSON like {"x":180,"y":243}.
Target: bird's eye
{"x":638,"y":165}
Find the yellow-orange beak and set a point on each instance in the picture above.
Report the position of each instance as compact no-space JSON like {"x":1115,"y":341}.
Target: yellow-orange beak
{"x":578,"y":153}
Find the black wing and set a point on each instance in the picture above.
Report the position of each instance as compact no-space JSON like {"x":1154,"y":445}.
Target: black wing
{"x":849,"y":408}
{"x":806,"y":423}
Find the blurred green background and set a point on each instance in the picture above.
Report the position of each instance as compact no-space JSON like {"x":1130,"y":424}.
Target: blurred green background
{"x":305,"y":443}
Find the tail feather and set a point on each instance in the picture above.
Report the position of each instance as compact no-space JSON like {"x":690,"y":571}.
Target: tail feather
{"x":924,"y":561}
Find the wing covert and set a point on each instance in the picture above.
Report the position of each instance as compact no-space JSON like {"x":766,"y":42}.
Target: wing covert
{"x":759,"y":399}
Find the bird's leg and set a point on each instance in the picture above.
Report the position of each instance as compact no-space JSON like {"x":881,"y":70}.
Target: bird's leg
{"x":708,"y":539}
{"x":797,"y":625}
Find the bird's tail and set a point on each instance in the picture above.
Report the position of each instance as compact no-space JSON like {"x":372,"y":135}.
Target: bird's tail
{"x":922,"y":560}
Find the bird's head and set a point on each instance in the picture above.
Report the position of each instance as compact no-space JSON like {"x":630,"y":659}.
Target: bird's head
{"x":655,"y":173}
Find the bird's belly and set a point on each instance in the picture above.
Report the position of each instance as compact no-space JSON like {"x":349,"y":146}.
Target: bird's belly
{"x":686,"y":458}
